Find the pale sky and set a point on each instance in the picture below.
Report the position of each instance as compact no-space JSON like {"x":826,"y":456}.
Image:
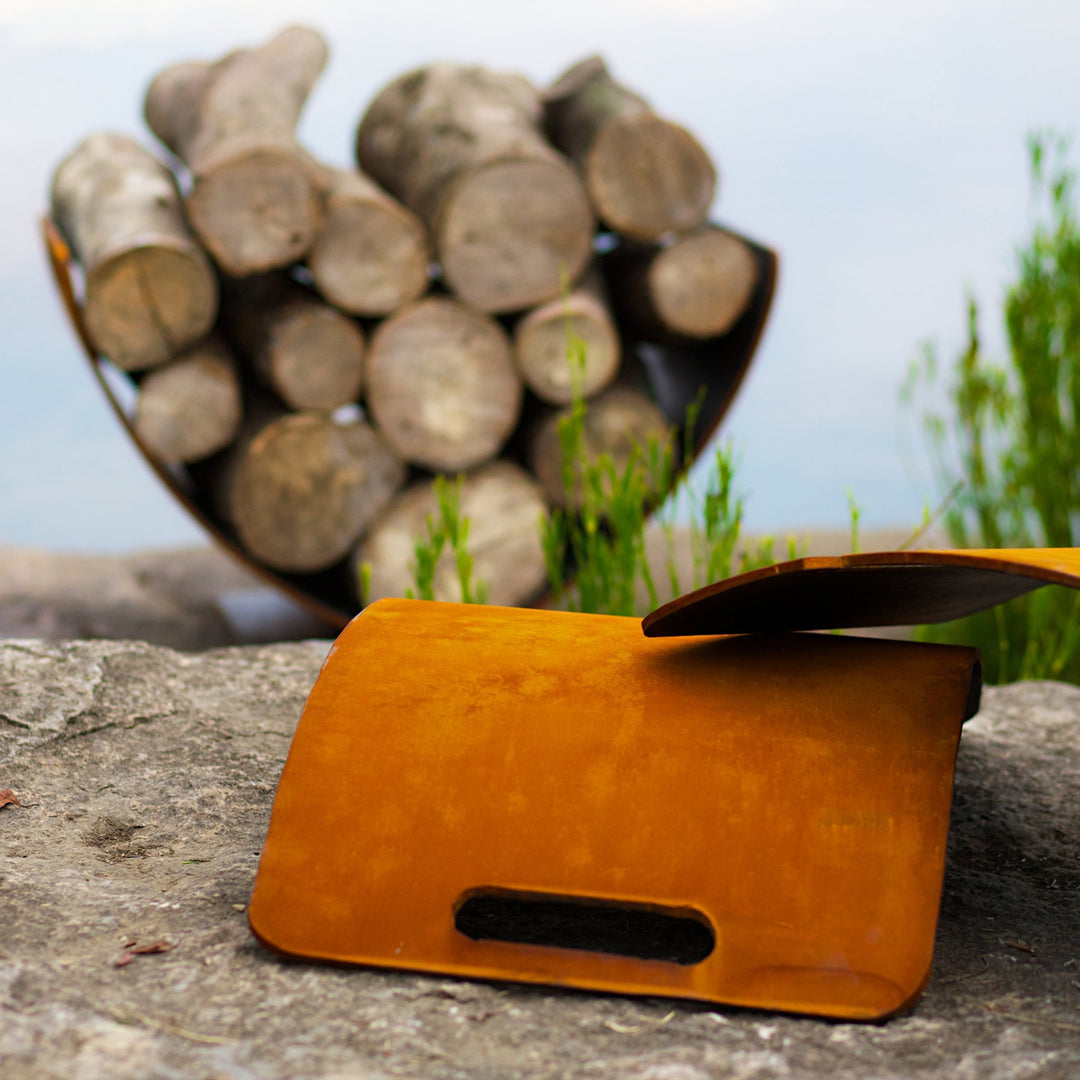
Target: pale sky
{"x":55,"y":22}
{"x":877,"y":146}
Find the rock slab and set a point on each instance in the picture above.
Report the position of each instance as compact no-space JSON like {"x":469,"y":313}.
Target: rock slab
{"x":149,"y":774}
{"x":201,"y":598}
{"x":187,"y":598}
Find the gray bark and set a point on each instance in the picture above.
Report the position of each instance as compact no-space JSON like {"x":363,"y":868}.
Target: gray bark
{"x":462,"y":148}
{"x":257,"y":196}
{"x":647,"y":177}
{"x":149,"y":289}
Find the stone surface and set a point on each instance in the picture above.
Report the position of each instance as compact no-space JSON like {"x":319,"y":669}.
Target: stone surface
{"x":200,"y":598}
{"x":188,"y":598}
{"x":148,"y":777}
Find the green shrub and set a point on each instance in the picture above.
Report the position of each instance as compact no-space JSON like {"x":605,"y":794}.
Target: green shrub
{"x":595,"y":552}
{"x":1010,"y":447}
{"x":601,"y":536}
{"x":447,"y":526}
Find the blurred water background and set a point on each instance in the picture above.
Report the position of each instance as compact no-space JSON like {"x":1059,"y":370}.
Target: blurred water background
{"x":879,"y":147}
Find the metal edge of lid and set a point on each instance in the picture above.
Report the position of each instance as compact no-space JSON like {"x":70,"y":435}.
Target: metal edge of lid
{"x":870,"y":589}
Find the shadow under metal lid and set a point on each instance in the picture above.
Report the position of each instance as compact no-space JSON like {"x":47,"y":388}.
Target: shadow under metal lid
{"x":888,"y":588}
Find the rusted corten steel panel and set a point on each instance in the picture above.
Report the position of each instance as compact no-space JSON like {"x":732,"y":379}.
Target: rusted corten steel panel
{"x":465,"y":775}
{"x":882,"y":588}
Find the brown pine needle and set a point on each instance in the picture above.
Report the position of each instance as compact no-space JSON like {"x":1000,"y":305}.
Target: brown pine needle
{"x":1061,"y":1025}
{"x":132,"y":1017}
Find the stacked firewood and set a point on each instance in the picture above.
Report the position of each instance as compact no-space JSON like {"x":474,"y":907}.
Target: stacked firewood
{"x":311,"y":345}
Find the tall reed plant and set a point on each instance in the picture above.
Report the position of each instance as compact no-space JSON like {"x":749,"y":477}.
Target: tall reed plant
{"x":595,"y":545}
{"x":1009,"y":443}
{"x":447,"y":530}
{"x":595,"y":548}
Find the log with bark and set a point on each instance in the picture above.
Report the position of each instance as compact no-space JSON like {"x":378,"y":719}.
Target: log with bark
{"x":150,"y":290}
{"x":691,"y":290}
{"x":442,"y":386}
{"x":462,"y":147}
{"x":504,"y":506}
{"x":300,"y":489}
{"x":309,"y":354}
{"x":568,"y":344}
{"x":190,"y":407}
{"x":371,"y":256}
{"x":257,"y":197}
{"x":646,"y":176}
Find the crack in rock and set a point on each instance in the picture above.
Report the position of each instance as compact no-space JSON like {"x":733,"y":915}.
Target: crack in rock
{"x":42,"y":686}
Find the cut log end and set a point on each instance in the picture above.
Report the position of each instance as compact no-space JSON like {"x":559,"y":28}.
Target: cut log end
{"x":542,"y":348}
{"x":150,"y":289}
{"x":649,"y":177}
{"x":701,"y":285}
{"x":370,"y":259}
{"x":306,"y":488}
{"x":257,"y":211}
{"x":315,"y":360}
{"x":307,"y":353}
{"x":191,"y":407}
{"x":504,"y":506}
{"x":145,"y":304}
{"x":442,"y":386}
{"x":511,"y":234}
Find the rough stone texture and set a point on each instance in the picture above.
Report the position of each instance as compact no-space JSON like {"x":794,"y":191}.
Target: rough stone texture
{"x":189,"y":598}
{"x":201,"y":598}
{"x":149,"y":776}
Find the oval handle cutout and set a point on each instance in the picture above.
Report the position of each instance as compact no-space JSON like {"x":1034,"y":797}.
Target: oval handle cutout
{"x":644,"y":932}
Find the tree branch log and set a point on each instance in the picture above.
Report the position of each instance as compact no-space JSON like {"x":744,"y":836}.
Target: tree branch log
{"x":257,"y":196}
{"x":646,"y":176}
{"x":150,"y":290}
{"x":462,"y":148}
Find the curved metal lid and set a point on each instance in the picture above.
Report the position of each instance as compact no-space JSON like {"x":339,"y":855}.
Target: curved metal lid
{"x":886,"y":588}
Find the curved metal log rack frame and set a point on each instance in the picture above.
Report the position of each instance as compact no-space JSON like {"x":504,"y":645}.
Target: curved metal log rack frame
{"x":674,"y":375}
